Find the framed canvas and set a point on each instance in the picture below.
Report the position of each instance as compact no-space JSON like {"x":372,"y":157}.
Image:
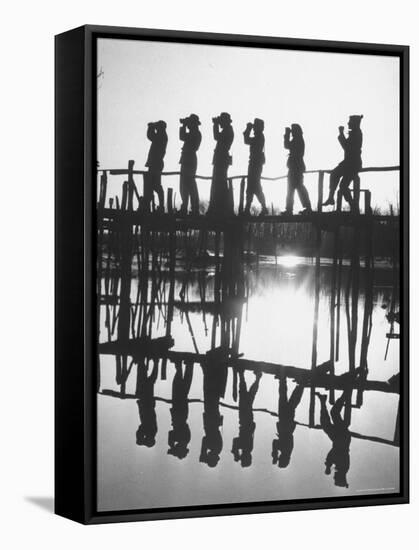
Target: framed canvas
{"x":231,"y":274}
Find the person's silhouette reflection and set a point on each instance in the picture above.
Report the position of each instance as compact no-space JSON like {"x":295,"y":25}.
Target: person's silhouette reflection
{"x":346,"y":171}
{"x":156,"y":133}
{"x":224,"y":136}
{"x":337,"y":428}
{"x":215,"y":378}
{"x":283,"y":445}
{"x":180,"y":434}
{"x":243,"y":444}
{"x":147,"y":430}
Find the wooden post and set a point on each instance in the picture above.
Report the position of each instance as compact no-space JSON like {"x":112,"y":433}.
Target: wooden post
{"x":231,"y":195}
{"x":357,"y":192}
{"x":124,"y":195}
{"x":339,"y":201}
{"x":320,"y":191}
{"x":241,"y":202}
{"x":131,"y":185}
{"x":170,"y":200}
{"x":368,"y":210}
{"x":103,"y":189}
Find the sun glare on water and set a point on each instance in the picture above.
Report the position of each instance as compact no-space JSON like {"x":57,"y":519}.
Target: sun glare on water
{"x":289,"y":261}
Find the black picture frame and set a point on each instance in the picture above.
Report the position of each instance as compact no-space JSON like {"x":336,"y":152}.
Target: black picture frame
{"x":75,"y":299}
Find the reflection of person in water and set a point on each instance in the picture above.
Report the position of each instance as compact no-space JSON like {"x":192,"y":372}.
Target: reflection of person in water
{"x":156,"y":133}
{"x":147,"y":430}
{"x":338,"y":431}
{"x":215,"y":379}
{"x":256,"y":143}
{"x":191,"y":136}
{"x":347,"y":171}
{"x":243,"y":444}
{"x":180,"y":434}
{"x":294,"y":142}
{"x":283,"y":445}
{"x":224,"y":136}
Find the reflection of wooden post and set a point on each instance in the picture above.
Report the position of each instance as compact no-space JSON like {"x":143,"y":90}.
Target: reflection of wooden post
{"x":333,"y":309}
{"x":315,"y":328}
{"x":241,"y":202}
{"x":320,"y":192}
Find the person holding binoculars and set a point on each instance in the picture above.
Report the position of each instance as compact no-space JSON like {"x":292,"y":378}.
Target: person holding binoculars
{"x":156,"y":133}
{"x":224,"y":136}
{"x":191,"y":136}
{"x":256,"y":161}
{"x":294,"y":142}
{"x":347,"y":171}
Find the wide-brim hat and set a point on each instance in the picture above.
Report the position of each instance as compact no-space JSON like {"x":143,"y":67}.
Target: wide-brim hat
{"x":356,"y":118}
{"x":226,"y":117}
{"x":194,"y":119}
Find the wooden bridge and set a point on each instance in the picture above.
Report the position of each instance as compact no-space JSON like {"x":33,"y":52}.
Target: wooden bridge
{"x":118,"y":209}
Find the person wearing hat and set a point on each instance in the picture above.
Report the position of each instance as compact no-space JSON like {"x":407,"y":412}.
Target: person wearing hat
{"x":337,"y":429}
{"x":243,"y":444}
{"x":283,"y":444}
{"x":180,"y":434}
{"x":156,"y":133}
{"x":256,"y":161}
{"x":220,"y":203}
{"x":191,"y":136}
{"x":147,"y":430}
{"x":347,"y":171}
{"x":294,"y":142}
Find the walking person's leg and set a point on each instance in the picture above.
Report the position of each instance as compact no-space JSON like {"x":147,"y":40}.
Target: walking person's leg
{"x":193,"y":192}
{"x":159,"y":190}
{"x":289,"y":205}
{"x":302,"y":192}
{"x":183,"y":189}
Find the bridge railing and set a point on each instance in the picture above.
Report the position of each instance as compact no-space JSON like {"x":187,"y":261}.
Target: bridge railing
{"x":129,"y":188}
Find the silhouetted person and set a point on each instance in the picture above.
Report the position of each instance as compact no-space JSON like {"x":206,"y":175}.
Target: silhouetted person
{"x":180,"y":434}
{"x":215,"y":379}
{"x":220,"y":203}
{"x":256,"y":144}
{"x":347,"y":171}
{"x":191,"y":136}
{"x":283,"y":445}
{"x":337,"y":428}
{"x":156,"y":133}
{"x":147,"y":430}
{"x":294,"y":142}
{"x":243,"y":444}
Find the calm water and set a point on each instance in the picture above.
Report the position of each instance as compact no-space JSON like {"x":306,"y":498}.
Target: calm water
{"x":277,"y":327}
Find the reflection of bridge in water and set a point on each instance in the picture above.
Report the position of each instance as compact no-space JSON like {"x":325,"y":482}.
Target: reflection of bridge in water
{"x":144,"y":248}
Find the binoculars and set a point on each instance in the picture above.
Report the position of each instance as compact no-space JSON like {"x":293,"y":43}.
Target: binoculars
{"x":216,"y":119}
{"x":183,"y":120}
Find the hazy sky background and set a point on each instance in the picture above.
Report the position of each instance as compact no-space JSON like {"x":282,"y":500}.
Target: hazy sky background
{"x":147,"y":81}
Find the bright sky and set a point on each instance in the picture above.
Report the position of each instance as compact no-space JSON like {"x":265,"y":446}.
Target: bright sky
{"x":146,"y":81}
